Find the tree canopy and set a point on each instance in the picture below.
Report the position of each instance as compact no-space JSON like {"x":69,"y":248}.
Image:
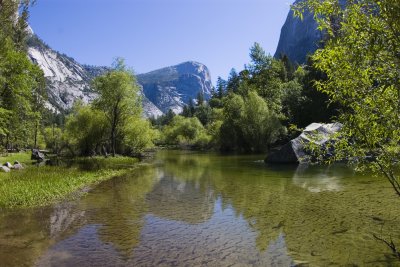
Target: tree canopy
{"x":361,"y":59}
{"x":118,"y":99}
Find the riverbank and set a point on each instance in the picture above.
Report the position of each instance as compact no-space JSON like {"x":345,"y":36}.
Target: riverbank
{"x":42,"y":185}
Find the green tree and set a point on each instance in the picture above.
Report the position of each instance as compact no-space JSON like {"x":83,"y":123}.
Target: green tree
{"x":260,"y":126}
{"x":118,"y":99}
{"x":186,"y":132}
{"x":361,"y":59}
{"x":200,"y":98}
{"x":139,"y":135}
{"x":233,"y":82}
{"x":249,"y":125}
{"x":85,"y":129}
{"x":230,"y":131}
{"x":203,"y":113}
{"x":22,"y":91}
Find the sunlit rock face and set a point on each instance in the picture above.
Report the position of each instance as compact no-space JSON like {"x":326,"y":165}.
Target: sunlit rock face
{"x":300,"y":37}
{"x":68,"y":81}
{"x":161,"y":90}
{"x":173,"y":87}
{"x":297,"y":150}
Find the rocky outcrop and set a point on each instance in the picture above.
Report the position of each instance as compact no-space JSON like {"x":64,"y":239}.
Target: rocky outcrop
{"x":300,"y":38}
{"x":37,"y":155}
{"x":66,"y":80}
{"x":296,"y":151}
{"x":173,"y":87}
{"x":161,"y":90}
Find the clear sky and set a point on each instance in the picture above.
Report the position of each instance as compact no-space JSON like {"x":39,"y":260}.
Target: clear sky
{"x":151,"y":34}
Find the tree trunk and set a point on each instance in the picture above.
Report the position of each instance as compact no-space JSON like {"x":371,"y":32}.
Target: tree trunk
{"x":36,"y":133}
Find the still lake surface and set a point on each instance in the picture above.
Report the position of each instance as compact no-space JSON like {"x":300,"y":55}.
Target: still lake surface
{"x":204,"y":209}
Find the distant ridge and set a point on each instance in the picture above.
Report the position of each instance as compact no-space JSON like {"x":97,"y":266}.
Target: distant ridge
{"x":161,"y":90}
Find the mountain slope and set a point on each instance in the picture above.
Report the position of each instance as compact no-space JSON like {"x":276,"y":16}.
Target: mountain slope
{"x":173,"y":87}
{"x":67,"y":80}
{"x":161,"y":90}
{"x":298,"y":37}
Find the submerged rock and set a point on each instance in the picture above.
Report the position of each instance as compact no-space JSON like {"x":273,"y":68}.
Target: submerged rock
{"x":296,"y":150}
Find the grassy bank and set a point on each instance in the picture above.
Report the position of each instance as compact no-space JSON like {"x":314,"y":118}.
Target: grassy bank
{"x":39,"y":186}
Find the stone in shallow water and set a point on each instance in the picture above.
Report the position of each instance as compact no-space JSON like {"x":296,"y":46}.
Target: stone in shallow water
{"x":295,"y":151}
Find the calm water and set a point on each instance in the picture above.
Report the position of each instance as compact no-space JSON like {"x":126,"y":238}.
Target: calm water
{"x":193,"y":209}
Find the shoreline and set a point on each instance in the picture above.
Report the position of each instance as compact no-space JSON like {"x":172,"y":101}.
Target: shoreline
{"x":37,"y":186}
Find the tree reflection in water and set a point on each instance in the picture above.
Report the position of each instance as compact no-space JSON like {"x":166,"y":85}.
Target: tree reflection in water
{"x":206,"y":209}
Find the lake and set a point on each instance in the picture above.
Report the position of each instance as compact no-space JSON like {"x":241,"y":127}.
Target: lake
{"x":204,"y":209}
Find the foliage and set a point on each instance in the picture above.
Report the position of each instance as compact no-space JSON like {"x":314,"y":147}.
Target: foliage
{"x":86,"y":129}
{"x":186,"y":132}
{"x":260,"y":126}
{"x":22,"y":91}
{"x":249,"y":125}
{"x":361,"y":60}
{"x":163,"y":119}
{"x":118,"y":99}
{"x":139,"y":134}
{"x":53,"y":137}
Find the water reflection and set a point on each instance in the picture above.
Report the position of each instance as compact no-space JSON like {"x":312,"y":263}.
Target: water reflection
{"x":181,"y":201}
{"x":204,"y":209}
{"x":319,"y":178}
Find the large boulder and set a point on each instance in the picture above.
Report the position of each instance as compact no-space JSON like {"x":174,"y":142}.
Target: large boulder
{"x":8,"y":165}
{"x":37,"y":155}
{"x":4,"y":169}
{"x":296,"y":151}
{"x":18,"y":166}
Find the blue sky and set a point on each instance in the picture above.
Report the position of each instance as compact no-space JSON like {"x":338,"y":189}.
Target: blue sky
{"x":151,"y":34}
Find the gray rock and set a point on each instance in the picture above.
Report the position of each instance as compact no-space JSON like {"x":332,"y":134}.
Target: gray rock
{"x":295,"y":151}
{"x":173,"y":87}
{"x":4,"y":169}
{"x":18,"y":166}
{"x":8,"y":165}
{"x":160,"y":90}
{"x":37,"y":155}
{"x":300,"y":37}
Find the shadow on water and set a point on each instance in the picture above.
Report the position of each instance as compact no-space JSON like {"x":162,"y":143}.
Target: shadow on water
{"x":207,"y":209}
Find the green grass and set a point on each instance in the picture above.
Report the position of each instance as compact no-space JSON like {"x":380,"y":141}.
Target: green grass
{"x":23,"y":157}
{"x":39,"y":186}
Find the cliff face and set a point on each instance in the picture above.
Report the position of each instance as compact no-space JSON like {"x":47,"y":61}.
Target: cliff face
{"x":161,"y":90}
{"x":298,"y":37}
{"x":66,"y":80}
{"x":173,"y":87}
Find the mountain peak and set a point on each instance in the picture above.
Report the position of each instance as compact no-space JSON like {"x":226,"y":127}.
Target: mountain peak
{"x":173,"y":87}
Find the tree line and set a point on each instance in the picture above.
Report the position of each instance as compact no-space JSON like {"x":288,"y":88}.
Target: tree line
{"x":265,"y":104}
